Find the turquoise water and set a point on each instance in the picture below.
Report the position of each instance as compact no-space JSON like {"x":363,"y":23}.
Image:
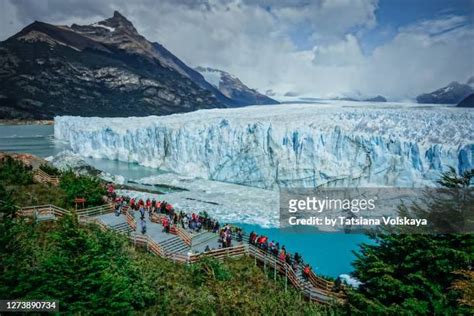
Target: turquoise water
{"x":34,"y":139}
{"x":39,"y":140}
{"x":329,"y":254}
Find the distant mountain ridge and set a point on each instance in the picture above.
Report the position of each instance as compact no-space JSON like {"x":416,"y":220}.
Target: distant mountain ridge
{"x":467,"y":102}
{"x":233,"y":88}
{"x":377,"y":98}
{"x":103,"y":69}
{"x":453,"y":93}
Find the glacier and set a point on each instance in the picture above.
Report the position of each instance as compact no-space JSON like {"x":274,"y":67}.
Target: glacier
{"x":332,"y":143}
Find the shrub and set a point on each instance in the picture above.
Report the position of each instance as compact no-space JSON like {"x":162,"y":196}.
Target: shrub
{"x":14,"y":171}
{"x":82,"y":186}
{"x":52,"y":171}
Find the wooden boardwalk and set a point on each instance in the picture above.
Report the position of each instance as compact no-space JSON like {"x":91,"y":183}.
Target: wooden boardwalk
{"x":182,"y":246}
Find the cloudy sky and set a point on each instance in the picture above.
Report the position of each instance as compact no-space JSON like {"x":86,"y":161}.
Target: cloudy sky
{"x":397,"y":48}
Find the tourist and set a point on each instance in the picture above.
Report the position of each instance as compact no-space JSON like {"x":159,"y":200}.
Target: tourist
{"x":117,"y":209}
{"x":271,"y":247}
{"x":239,"y":235}
{"x":297,"y":258}
{"x":252,"y":238}
{"x":288,"y":259}
{"x":282,"y":255}
{"x":143,"y":226}
{"x":142,"y":212}
{"x":216,"y":227}
{"x":163,"y":207}
{"x":148,"y":205}
{"x":228,"y":239}
{"x":306,"y":272}
{"x":276,"y":250}
{"x":166,"y":225}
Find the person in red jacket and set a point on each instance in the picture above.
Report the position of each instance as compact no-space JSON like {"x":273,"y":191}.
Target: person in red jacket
{"x":282,"y":255}
{"x":166,"y":225}
{"x":306,"y":271}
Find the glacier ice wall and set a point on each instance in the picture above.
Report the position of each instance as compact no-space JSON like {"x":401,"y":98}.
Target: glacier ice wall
{"x":337,"y":144}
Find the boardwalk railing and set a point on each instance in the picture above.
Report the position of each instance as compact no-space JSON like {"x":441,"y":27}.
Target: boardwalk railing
{"x":91,"y":220}
{"x":184,"y":235}
{"x":43,"y":177}
{"x":154,"y":248}
{"x":222,"y":253}
{"x":313,"y":293}
{"x":96,"y":210}
{"x":39,"y":211}
{"x":131,"y":221}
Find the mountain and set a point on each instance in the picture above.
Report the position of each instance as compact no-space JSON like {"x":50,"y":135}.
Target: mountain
{"x":467,"y":102}
{"x":103,"y":69}
{"x":233,"y":88}
{"x":453,"y":93}
{"x":378,"y":98}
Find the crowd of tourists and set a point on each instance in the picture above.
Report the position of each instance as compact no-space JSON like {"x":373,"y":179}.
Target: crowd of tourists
{"x":146,"y":208}
{"x":197,"y":222}
{"x":273,"y":248}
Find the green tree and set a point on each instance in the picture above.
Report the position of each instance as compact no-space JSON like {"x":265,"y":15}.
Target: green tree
{"x":413,"y":274}
{"x":90,"y":188}
{"x":7,"y":206}
{"x":14,"y":172}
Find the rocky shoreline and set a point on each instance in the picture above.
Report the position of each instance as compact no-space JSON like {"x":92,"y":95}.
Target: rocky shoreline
{"x":25,"y":122}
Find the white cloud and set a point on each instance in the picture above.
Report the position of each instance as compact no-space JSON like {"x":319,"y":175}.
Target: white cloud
{"x":421,"y":58}
{"x":343,"y":53}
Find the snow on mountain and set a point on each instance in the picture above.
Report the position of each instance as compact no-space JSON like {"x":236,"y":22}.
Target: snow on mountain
{"x":233,"y":88}
{"x":335,"y":144}
{"x":453,"y":93}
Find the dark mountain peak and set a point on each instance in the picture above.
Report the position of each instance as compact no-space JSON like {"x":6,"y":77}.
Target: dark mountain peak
{"x":118,"y":21}
{"x":118,"y":15}
{"x":35,"y":26}
{"x":41,"y":32}
{"x":453,"y":93}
